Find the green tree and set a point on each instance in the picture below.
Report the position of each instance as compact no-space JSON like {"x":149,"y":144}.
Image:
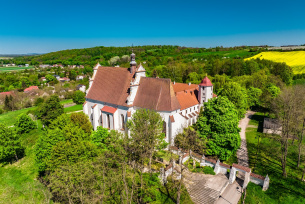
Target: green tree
{"x":10,"y":146}
{"x":254,"y":95}
{"x":218,"y":124}
{"x":50,"y":78}
{"x":51,"y":109}
{"x":82,"y":121}
{"x":59,"y":146}
{"x":146,"y":132}
{"x":24,"y":124}
{"x":237,"y":95}
{"x":79,"y":97}
{"x":99,"y":137}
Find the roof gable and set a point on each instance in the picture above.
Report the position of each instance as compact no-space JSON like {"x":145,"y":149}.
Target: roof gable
{"x":156,"y":94}
{"x":110,"y":85}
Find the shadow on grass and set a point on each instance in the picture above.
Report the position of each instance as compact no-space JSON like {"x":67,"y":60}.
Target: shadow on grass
{"x":260,"y":120}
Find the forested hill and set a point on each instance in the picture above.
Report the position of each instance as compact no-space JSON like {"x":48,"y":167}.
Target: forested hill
{"x":151,"y":54}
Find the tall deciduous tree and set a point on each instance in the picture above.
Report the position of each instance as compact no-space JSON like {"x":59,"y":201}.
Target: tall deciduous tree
{"x":218,"y":124}
{"x":10,"y":147}
{"x":289,"y":110}
{"x":51,"y":109}
{"x":237,"y":95}
{"x":146,"y":132}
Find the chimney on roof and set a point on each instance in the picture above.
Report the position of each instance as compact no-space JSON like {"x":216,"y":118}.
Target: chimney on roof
{"x":174,"y":82}
{"x":133,"y":63}
{"x":190,"y":83}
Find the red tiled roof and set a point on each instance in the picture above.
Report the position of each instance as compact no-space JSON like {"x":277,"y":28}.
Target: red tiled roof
{"x":187,"y":99}
{"x":93,"y":106}
{"x":108,"y":109}
{"x":129,"y":114}
{"x":193,"y":114}
{"x":31,"y":88}
{"x":185,"y":155}
{"x":173,"y":147}
{"x":184,"y":116}
{"x":214,"y":95}
{"x":241,"y":167}
{"x":197,"y":112}
{"x":178,"y":87}
{"x":257,"y":176}
{"x":6,"y":93}
{"x":110,"y":85}
{"x":225,"y":165}
{"x":211,"y":160}
{"x":172,"y":119}
{"x":198,"y":156}
{"x":206,"y":82}
{"x":156,"y":94}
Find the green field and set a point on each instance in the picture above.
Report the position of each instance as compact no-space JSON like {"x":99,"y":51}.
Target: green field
{"x":228,"y":54}
{"x":9,"y":69}
{"x":74,"y":108}
{"x":264,"y":158}
{"x":18,"y":183}
{"x":9,"y":118}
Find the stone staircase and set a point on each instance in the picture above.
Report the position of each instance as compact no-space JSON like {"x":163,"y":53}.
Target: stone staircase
{"x":204,"y":188}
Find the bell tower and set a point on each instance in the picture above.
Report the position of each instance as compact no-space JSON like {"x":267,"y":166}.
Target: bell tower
{"x":205,"y":91}
{"x":133,"y":64}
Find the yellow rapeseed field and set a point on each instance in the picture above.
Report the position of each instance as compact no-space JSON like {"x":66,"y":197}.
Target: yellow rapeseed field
{"x":295,"y":59}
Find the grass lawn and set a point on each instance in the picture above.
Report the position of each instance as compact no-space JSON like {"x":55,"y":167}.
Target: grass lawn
{"x":265,"y":159}
{"x":8,"y":69}
{"x":18,"y":183}
{"x":9,"y":118}
{"x":74,"y":108}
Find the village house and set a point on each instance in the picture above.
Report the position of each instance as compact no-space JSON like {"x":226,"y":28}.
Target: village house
{"x":81,"y":87}
{"x":64,"y":79}
{"x":115,"y":93}
{"x":80,"y":77}
{"x":31,"y":88}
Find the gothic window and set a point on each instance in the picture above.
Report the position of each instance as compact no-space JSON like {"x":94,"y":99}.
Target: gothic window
{"x":108,"y":120}
{"x":122,"y":122}
{"x":101,"y":119}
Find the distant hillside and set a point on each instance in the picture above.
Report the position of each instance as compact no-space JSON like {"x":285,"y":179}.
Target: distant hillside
{"x":151,"y":54}
{"x":295,"y":59}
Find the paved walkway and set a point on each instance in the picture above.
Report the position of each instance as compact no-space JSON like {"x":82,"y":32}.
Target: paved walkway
{"x":242,"y":153}
{"x":204,"y":188}
{"x":231,"y":195}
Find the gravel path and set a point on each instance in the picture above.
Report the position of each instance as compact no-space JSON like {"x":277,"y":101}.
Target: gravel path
{"x":242,"y":153}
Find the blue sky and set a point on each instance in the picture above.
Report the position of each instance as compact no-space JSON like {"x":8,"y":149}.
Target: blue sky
{"x":45,"y":26}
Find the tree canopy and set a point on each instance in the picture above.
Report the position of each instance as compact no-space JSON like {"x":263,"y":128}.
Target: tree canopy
{"x":218,"y":124}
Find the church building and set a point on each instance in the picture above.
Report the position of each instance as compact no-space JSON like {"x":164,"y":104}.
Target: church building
{"x":115,"y":93}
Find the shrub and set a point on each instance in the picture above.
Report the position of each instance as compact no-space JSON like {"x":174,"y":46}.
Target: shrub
{"x":39,"y":101}
{"x":79,"y":97}
{"x":208,"y":170}
{"x":24,"y":124}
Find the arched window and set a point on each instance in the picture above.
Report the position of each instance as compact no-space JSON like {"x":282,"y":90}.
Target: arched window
{"x":108,"y":120}
{"x":122,"y":122}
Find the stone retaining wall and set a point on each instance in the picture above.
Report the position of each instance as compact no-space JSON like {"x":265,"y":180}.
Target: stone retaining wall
{"x":222,"y":168}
